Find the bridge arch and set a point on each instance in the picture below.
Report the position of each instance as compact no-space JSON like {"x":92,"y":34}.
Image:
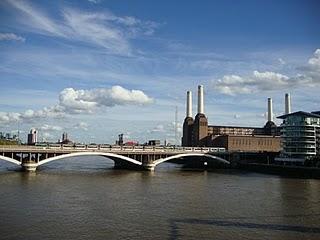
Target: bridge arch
{"x":11,"y":160}
{"x":112,"y":156}
{"x":157,"y":162}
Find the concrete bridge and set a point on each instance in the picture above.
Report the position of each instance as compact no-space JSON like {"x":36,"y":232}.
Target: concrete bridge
{"x":129,"y":157}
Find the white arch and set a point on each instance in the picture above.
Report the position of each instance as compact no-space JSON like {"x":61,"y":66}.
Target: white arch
{"x":10,"y":160}
{"x":77,"y":154}
{"x":155,"y":163}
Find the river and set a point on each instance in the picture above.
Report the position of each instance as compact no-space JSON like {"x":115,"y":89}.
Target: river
{"x":85,"y":198}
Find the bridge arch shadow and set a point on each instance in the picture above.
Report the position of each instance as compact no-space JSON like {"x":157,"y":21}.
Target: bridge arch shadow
{"x":198,"y":158}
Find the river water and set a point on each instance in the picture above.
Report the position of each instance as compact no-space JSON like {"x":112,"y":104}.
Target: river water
{"x":85,"y":198}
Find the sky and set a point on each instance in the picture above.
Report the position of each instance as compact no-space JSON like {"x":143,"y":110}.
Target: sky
{"x":98,"y":68}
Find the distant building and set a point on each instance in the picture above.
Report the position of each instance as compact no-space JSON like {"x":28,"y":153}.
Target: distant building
{"x":197,"y":132}
{"x":300,"y":136}
{"x":8,"y":136}
{"x":120,"y":140}
{"x":32,"y":137}
{"x":7,"y":139}
{"x":64,"y":136}
{"x":65,"y":139}
{"x":154,"y":143}
{"x":131,"y":143}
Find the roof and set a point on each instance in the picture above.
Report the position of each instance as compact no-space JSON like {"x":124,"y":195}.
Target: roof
{"x":302,"y":113}
{"x":220,"y":126}
{"x":316,"y":112}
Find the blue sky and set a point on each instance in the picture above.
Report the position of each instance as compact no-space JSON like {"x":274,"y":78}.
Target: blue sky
{"x":99,"y":68}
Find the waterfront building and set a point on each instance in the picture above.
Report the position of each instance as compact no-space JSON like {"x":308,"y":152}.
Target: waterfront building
{"x":32,"y":137}
{"x":300,"y":136}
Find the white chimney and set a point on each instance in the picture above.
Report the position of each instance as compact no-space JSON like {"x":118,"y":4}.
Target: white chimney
{"x":270,"y":111}
{"x":287,"y":101}
{"x":200,"y":99}
{"x":189,"y":104}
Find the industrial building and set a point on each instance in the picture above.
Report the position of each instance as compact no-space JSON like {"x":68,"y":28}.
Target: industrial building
{"x":198,"y":133}
{"x":65,"y":139}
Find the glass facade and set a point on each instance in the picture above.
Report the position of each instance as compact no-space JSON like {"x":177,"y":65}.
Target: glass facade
{"x":300,"y":136}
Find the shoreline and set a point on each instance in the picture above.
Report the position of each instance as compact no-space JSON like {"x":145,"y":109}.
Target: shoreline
{"x":280,"y":170}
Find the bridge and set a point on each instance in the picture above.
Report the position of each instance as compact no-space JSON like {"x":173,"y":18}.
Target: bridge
{"x":128,"y":157}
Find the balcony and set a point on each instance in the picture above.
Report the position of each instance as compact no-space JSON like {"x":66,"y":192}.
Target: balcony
{"x":300,"y":147}
{"x":299,"y":153}
{"x":297,"y":129}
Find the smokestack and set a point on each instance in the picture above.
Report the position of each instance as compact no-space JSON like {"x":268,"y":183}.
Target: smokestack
{"x":200,"y":99}
{"x":270,"y":111}
{"x":189,"y":104}
{"x":287,"y":101}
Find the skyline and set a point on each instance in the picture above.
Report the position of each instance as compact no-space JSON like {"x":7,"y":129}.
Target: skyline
{"x":81,"y":66}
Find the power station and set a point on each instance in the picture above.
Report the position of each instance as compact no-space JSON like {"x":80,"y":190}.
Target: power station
{"x":198,"y":133}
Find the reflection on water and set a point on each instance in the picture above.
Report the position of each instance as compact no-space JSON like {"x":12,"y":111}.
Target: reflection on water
{"x":85,"y":198}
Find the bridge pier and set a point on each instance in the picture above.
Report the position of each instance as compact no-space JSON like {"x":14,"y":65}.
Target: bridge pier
{"x":148,"y":167}
{"x":147,"y":162}
{"x":29,"y":166}
{"x":29,"y":163}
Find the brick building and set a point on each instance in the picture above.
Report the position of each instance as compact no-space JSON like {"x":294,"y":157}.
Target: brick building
{"x":197,"y":132}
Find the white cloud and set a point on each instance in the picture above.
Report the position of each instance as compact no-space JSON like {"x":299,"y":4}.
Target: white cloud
{"x":47,"y":137}
{"x":73,"y":101}
{"x":231,"y":84}
{"x":315,"y":61}
{"x":47,"y":127}
{"x":9,"y":117}
{"x":94,"y":1}
{"x":270,"y":81}
{"x":77,"y":101}
{"x":11,"y":37}
{"x":102,"y":29}
{"x":32,"y":115}
{"x":47,"y":112}
{"x":158,"y":128}
{"x":168,"y":129}
{"x":312,"y":70}
{"x":258,"y":81}
{"x":91,"y":27}
{"x":81,"y":125}
{"x":37,"y":19}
